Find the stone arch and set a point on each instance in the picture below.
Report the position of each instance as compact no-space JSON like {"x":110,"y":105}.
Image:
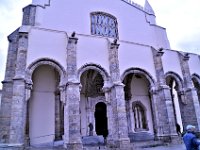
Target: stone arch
{"x":196,"y":83}
{"x":131,"y":78}
{"x":196,"y":77}
{"x":139,"y":71}
{"x":175,"y":83}
{"x":37,"y":73}
{"x":45,"y":61}
{"x":177,"y":79}
{"x":95,"y":67}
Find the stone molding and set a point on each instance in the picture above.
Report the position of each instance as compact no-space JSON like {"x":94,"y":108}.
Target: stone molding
{"x":95,"y":67}
{"x":141,"y":72}
{"x":45,"y":61}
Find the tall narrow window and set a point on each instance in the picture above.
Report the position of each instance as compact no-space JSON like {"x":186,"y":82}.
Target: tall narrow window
{"x":139,"y":117}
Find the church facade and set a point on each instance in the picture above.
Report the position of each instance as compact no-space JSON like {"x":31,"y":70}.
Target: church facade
{"x":95,"y":69}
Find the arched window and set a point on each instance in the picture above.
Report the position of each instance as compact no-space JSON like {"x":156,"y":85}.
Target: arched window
{"x":140,"y":117}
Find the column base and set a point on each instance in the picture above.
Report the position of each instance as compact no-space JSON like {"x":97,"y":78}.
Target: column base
{"x":74,"y":146}
{"x":12,"y":146}
{"x":174,"y":139}
{"x":119,"y":144}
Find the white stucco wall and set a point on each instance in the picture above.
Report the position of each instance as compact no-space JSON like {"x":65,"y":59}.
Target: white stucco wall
{"x":47,"y":44}
{"x":132,"y":23}
{"x":194,"y":63}
{"x":92,"y":50}
{"x":137,"y":56}
{"x":42,"y":106}
{"x":170,"y":60}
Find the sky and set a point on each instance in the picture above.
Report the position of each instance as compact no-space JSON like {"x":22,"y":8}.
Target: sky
{"x":181,"y":18}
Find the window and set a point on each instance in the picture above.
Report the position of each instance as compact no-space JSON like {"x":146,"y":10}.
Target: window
{"x":139,"y":117}
{"x":104,"y":24}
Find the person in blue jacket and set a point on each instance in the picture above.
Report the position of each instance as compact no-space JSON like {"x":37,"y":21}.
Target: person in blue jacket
{"x":190,"y":139}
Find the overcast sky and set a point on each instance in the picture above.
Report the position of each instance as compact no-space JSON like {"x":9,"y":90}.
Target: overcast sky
{"x":181,"y":18}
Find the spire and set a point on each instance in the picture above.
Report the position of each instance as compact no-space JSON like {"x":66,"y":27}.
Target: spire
{"x":148,"y":8}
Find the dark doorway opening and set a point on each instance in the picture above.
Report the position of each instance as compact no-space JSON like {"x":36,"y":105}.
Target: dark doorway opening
{"x":101,"y":119}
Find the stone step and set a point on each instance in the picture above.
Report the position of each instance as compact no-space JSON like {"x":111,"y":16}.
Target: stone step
{"x":94,"y":148}
{"x":141,"y":136}
{"x":147,"y":144}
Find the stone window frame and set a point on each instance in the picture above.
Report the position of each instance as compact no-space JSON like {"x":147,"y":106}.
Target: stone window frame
{"x":105,"y":14}
{"x":144,"y":116}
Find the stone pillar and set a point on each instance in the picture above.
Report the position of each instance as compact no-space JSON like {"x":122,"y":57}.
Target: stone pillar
{"x":19,"y":103}
{"x":58,"y":118}
{"x":7,"y":91}
{"x":72,"y":98}
{"x":191,"y":108}
{"x":166,"y":126}
{"x":155,"y":109}
{"x":120,"y":126}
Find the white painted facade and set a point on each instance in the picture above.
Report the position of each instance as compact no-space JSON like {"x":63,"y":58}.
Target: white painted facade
{"x":132,"y":85}
{"x":138,"y":32}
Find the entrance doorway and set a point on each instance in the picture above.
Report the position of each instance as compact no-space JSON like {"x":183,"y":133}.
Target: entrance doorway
{"x":101,"y":119}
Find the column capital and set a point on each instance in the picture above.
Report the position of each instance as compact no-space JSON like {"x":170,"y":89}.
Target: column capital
{"x":160,"y":52}
{"x":114,"y":45}
{"x":153,"y":90}
{"x":186,"y":57}
{"x":73,"y":39}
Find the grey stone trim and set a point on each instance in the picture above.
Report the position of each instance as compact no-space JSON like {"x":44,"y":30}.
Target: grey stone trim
{"x":18,"y":108}
{"x":96,"y":67}
{"x":72,"y":115}
{"x":7,"y":91}
{"x":45,"y":61}
{"x":196,"y":77}
{"x":29,"y":13}
{"x":190,"y":93}
{"x":180,"y":89}
{"x":119,"y":126}
{"x":176,"y":77}
{"x":139,"y":71}
{"x":165,"y":112}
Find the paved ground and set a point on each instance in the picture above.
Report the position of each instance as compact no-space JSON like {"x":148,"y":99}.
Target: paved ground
{"x":169,"y":147}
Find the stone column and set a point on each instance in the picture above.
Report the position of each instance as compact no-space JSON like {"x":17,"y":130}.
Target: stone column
{"x":72,"y":109}
{"x":58,"y":118}
{"x":7,"y":90}
{"x":165,"y":110}
{"x":19,"y":103}
{"x":120,"y":126}
{"x":158,"y":126}
{"x":191,"y":108}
